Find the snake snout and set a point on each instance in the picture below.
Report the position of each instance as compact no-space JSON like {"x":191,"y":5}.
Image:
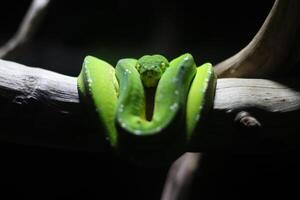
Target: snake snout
{"x":150,"y":77}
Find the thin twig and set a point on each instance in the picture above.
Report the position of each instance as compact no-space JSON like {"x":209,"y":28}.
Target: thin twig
{"x":27,"y":28}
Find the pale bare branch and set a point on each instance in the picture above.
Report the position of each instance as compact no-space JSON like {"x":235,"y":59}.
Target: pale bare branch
{"x":180,"y":177}
{"x":27,"y":28}
{"x":270,"y":50}
{"x":275,"y":46}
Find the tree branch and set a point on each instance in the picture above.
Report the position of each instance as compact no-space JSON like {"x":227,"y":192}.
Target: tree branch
{"x":22,"y":84}
{"x":273,"y":103}
{"x":180,"y":176}
{"x":267,"y":100}
{"x":27,"y":28}
{"x":273,"y":47}
{"x":276,"y":45}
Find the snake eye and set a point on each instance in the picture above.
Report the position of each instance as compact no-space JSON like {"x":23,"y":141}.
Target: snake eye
{"x":138,"y":66}
{"x":163,"y":66}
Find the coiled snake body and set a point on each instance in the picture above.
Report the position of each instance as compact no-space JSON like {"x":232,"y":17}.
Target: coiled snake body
{"x":183,"y":92}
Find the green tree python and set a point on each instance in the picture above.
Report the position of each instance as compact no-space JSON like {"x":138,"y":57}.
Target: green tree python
{"x":183,"y":92}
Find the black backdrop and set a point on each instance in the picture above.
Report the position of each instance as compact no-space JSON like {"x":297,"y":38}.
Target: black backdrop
{"x":210,"y":30}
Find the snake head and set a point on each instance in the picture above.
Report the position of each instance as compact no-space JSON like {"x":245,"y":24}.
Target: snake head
{"x":151,"y":68}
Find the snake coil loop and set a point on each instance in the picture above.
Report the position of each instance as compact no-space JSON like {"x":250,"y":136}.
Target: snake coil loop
{"x":117,"y":95}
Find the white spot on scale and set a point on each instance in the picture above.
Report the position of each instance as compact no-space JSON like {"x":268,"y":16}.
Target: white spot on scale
{"x":123,"y":125}
{"x":158,"y":129}
{"x":137,"y":132}
{"x":89,"y":80}
{"x":127,"y":70}
{"x":121,"y":108}
{"x":176,"y":92}
{"x":204,"y":87}
{"x":197,"y":117}
{"x":174,"y":106}
{"x":90,"y":91}
{"x":174,"y":80}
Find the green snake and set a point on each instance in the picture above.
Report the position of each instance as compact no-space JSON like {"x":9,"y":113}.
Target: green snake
{"x":117,"y":96}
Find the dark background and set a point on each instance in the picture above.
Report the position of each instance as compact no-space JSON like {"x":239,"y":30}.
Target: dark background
{"x":210,"y":30}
